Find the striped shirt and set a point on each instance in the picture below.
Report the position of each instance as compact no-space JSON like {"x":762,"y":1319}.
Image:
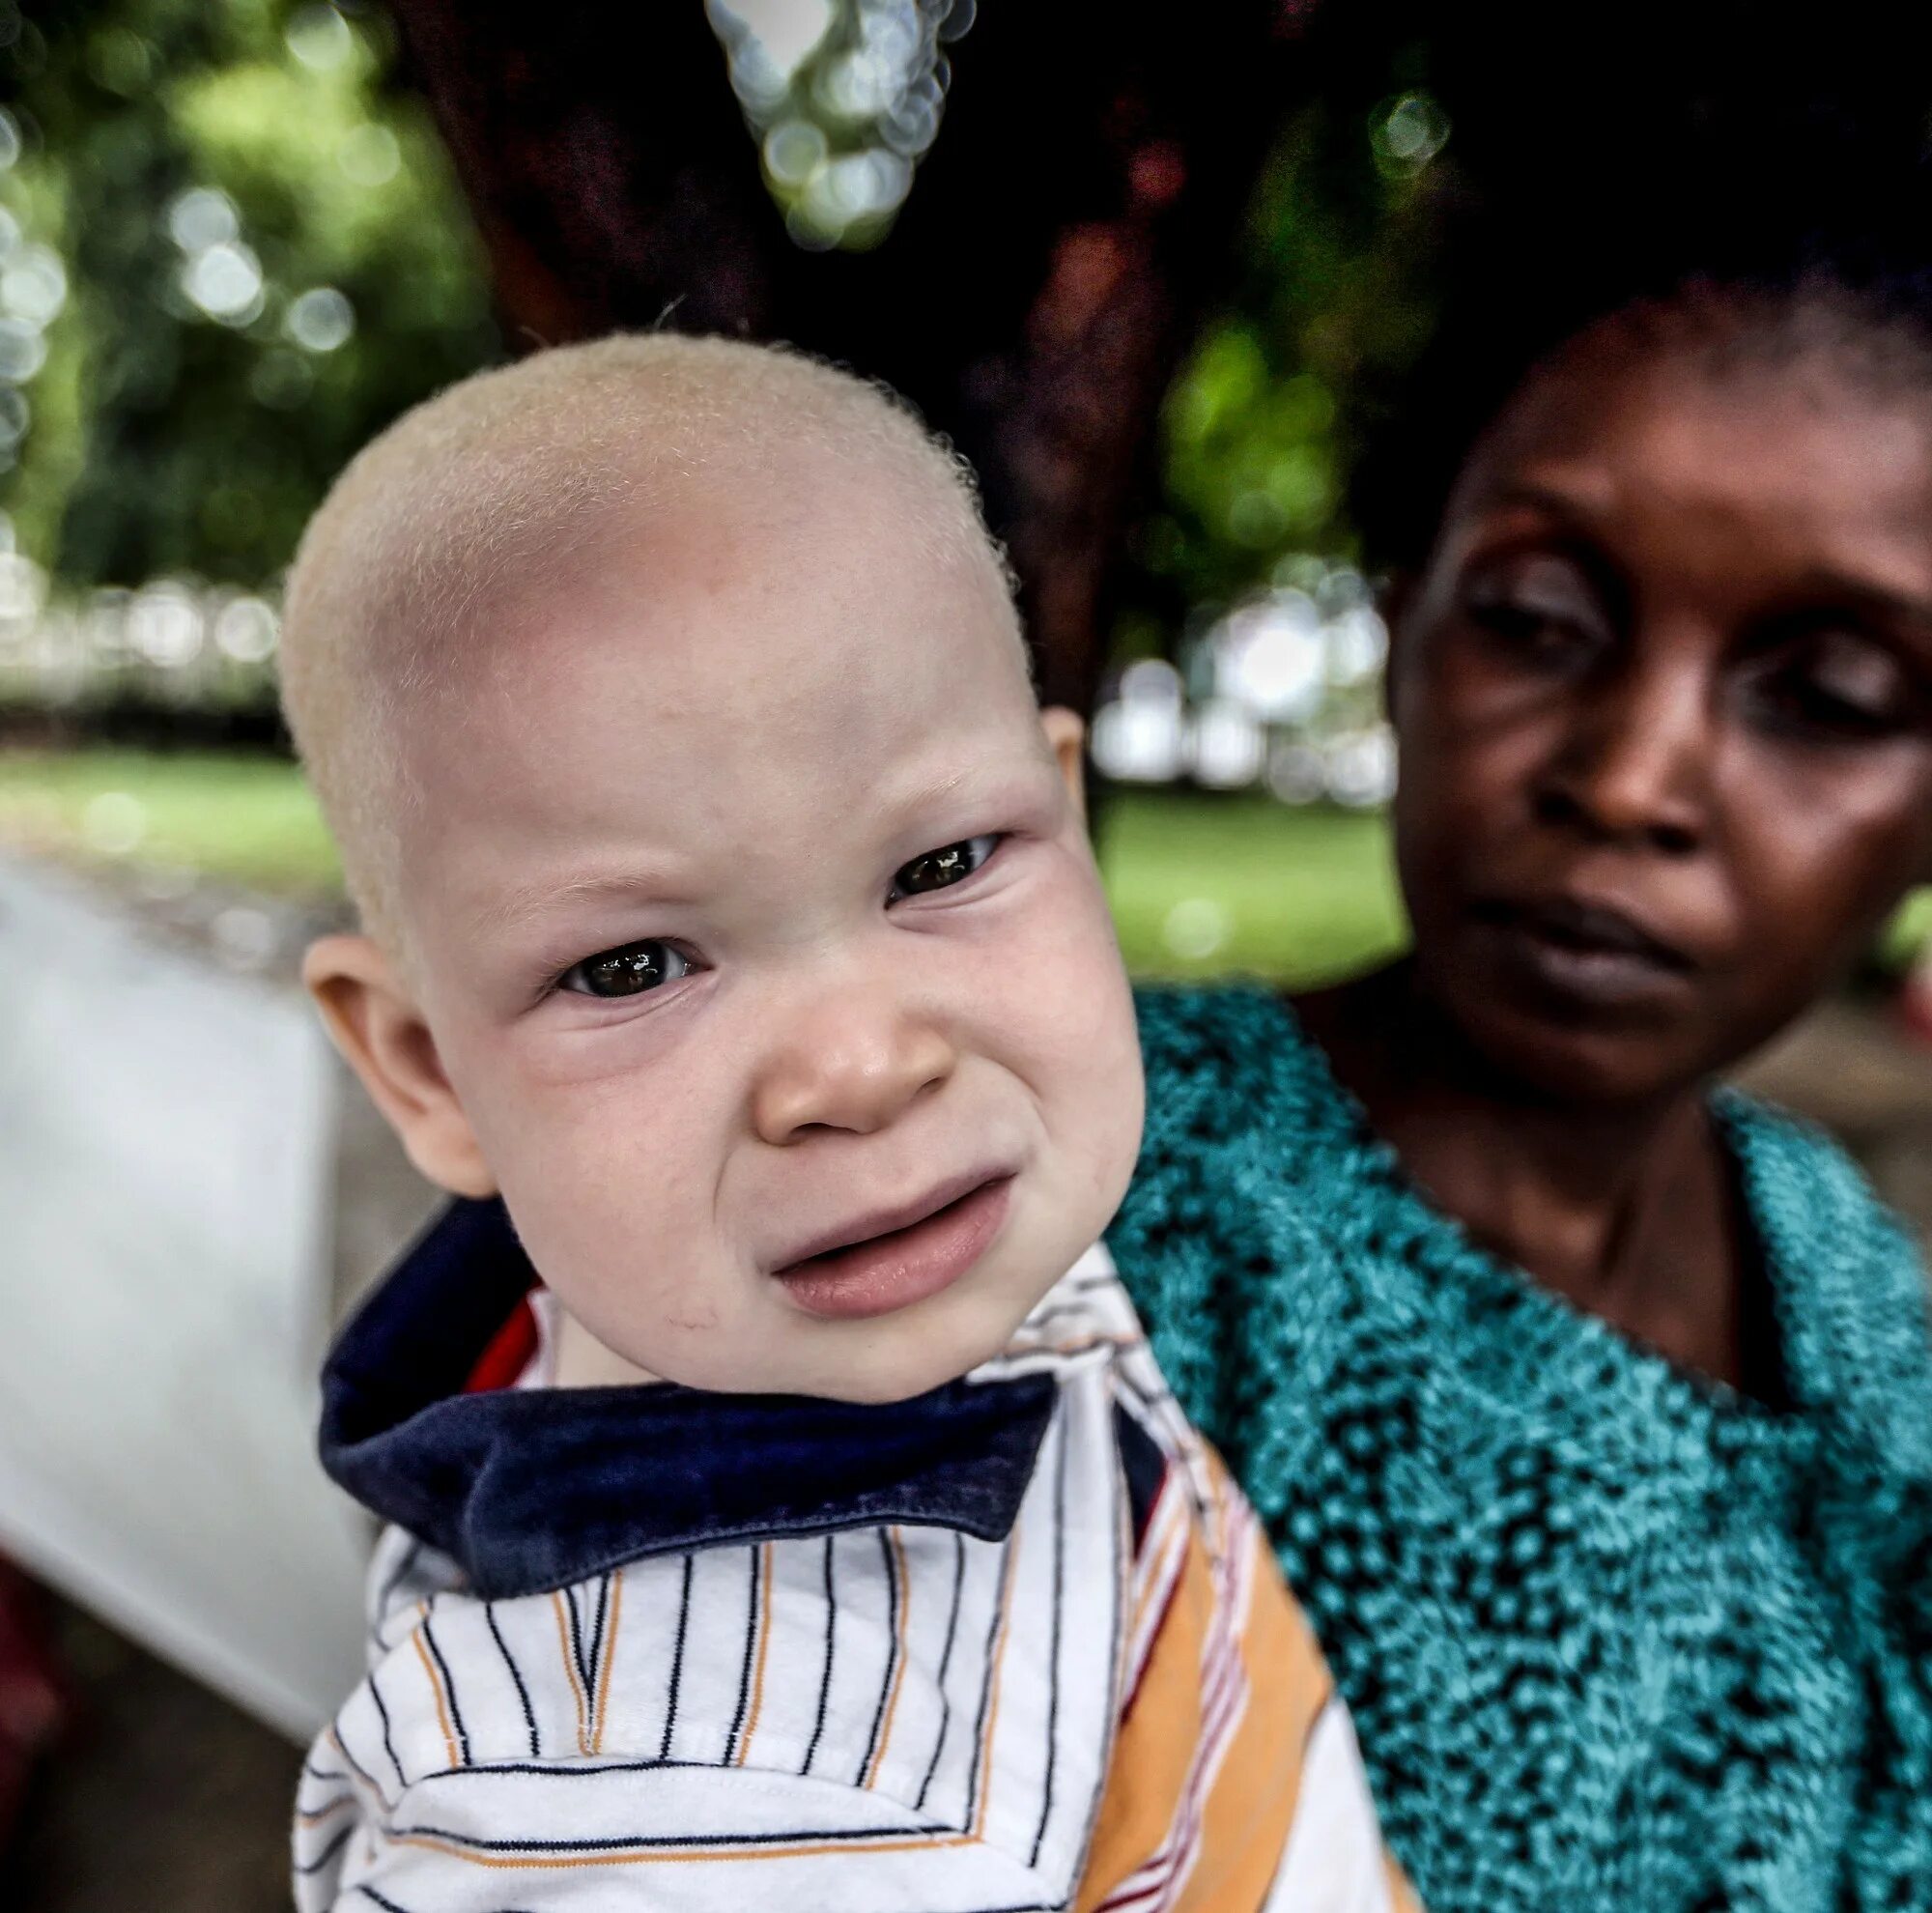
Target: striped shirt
{"x":1027,"y":1651}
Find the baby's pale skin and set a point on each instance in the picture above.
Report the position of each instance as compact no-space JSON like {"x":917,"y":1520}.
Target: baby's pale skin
{"x":739,"y":733}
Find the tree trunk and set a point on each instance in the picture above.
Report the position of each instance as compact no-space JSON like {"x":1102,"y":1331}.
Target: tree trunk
{"x":1063,"y":237}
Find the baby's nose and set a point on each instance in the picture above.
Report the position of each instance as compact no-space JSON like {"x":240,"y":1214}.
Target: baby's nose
{"x":848,"y":1071}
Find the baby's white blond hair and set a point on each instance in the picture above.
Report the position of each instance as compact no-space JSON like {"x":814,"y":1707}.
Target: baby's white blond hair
{"x":466,"y":499}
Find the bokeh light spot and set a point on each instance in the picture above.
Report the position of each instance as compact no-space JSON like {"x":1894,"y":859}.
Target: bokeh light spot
{"x":319,"y":37}
{"x":794,"y":150}
{"x":114,"y":823}
{"x":1408,"y":134}
{"x":22,"y":351}
{"x":369,"y":156}
{"x":321,"y":319}
{"x":1195,"y":929}
{"x":202,"y":216}
{"x":32,"y":285}
{"x":225,"y":281}
{"x":246,"y":631}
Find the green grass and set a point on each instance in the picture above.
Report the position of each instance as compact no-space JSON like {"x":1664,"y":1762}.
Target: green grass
{"x":1202,"y":886}
{"x":1908,"y":934}
{"x":247,"y":820}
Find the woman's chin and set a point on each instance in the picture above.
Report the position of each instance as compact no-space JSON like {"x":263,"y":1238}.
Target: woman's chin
{"x":1577,"y":1064}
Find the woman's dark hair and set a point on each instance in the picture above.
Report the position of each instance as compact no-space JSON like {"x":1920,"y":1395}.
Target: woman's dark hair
{"x":1726,"y":152}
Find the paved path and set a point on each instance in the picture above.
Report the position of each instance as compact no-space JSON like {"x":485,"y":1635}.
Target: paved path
{"x":165,"y":1145}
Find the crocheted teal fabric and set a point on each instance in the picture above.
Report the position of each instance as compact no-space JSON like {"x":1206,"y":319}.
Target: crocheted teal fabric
{"x":1614,"y":1636}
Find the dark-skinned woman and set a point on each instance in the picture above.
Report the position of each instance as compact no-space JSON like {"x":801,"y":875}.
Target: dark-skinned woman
{"x":1590,"y":1404}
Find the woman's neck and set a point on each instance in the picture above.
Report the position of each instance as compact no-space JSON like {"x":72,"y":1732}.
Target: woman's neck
{"x":1628,"y":1211}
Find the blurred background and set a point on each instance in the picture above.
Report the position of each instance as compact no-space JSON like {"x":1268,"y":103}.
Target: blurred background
{"x":1154,"y":273}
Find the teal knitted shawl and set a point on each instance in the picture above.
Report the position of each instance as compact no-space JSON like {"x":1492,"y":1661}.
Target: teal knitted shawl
{"x":1614,"y":1636}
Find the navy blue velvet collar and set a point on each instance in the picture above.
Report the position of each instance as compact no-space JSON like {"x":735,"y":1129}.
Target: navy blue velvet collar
{"x":534,"y":1489}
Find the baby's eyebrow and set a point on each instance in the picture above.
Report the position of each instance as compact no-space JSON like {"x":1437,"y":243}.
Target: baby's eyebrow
{"x":977,"y":783}
{"x":506,"y":914}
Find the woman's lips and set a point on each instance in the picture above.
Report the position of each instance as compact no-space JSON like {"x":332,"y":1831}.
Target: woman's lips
{"x":1585,"y":953}
{"x":894,"y":1266}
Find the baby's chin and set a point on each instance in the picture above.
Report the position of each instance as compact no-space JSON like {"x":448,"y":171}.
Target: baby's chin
{"x":887,"y":1359}
{"x":913,"y":1351}
{"x":875,"y":1379}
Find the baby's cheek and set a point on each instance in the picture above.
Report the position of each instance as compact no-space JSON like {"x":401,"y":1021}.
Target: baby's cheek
{"x":595,"y":1191}
{"x":1082,"y":1031}
{"x":661,"y":1310}
{"x":655,"y":1318}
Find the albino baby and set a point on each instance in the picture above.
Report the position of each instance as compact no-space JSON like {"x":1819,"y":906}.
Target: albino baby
{"x":785,"y":1509}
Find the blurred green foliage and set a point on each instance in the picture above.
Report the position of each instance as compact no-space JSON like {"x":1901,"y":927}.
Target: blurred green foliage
{"x":843,"y":99}
{"x":197,"y":167}
{"x":172,"y":152}
{"x":266,"y":256}
{"x":1257,"y":434}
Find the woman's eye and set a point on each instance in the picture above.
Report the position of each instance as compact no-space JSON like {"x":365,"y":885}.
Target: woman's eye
{"x":1838,"y":683}
{"x":939,"y":869}
{"x":1861,"y":678}
{"x":1540,"y":609}
{"x":628,"y":970}
{"x":1530,"y":631}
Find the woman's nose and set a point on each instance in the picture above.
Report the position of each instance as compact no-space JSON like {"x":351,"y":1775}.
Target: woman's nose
{"x":1634,"y":766}
{"x":850,"y":1067}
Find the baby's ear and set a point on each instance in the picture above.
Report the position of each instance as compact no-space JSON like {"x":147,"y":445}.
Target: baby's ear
{"x":384,"y":1038}
{"x":1066,"y":735}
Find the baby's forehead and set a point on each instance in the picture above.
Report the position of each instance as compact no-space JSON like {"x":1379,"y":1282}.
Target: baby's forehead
{"x":835,"y":576}
{"x":412,"y":582}
{"x":717,"y":720}
{"x":779,"y":532}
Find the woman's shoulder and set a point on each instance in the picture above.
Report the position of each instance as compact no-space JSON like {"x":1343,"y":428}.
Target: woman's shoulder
{"x":1222,"y":1061}
{"x":1850,"y":1273}
{"x":1249,"y":1154}
{"x":1806,"y":1194}
{"x":1203,"y":1024}
{"x":1786,"y":1151}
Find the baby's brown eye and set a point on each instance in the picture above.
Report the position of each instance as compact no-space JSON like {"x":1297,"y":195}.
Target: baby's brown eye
{"x":938,"y":869}
{"x":627,"y":971}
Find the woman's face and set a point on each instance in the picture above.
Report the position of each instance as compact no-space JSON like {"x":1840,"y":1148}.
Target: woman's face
{"x":1664,"y":699}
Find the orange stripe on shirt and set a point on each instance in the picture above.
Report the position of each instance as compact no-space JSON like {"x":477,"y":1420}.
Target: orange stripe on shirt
{"x":571,"y":1673}
{"x":678,"y":1855}
{"x":1246,"y":1816}
{"x":986,"y":1754}
{"x":1206,"y":1764}
{"x":610,"y":1659}
{"x":436,"y":1687}
{"x":1153,"y":1747}
{"x":764,"y":1642}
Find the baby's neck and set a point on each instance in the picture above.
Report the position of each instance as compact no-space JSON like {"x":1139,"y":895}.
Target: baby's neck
{"x":582,"y":1361}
